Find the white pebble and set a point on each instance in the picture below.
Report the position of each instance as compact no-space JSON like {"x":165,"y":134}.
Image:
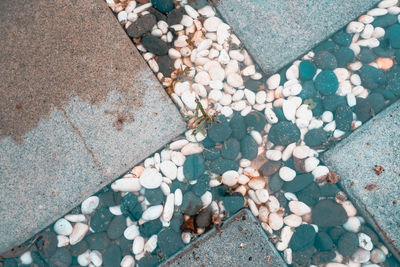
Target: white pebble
{"x":377,"y":12}
{"x":178,"y":197}
{"x":286,"y":235}
{"x":206,"y":199}
{"x":168,"y":210}
{"x":63,"y":227}
{"x":230,"y":178}
{"x":349,"y":208}
{"x":211,"y":24}
{"x":84,"y":258}
{"x":365,"y":241}
{"x":152,"y":213}
{"x":191,"y":11}
{"x":62,"y":241}
{"x":126,"y":185}
{"x":275,"y":221}
{"x":327,"y":116}
{"x":262,"y":195}
{"x":90,"y":204}
{"x":235,"y":80}
{"x":273,"y":81}
{"x":310,"y":164}
{"x":292,"y":220}
{"x":151,"y":244}
{"x":274,"y":155}
{"x":320,"y":171}
{"x":288,"y":151}
{"x":191,"y":148}
{"x":131,"y":232}
{"x":150,"y":178}
{"x":353,"y":224}
{"x":287,"y":174}
{"x":26,"y":258}
{"x":361,"y":256}
{"x":128,"y":261}
{"x":78,"y":233}
{"x":138,"y":245}
{"x":299,"y":208}
{"x":96,"y":258}
{"x":75,"y":217}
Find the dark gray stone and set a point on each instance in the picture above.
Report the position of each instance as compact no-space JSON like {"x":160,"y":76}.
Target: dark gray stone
{"x":276,"y":32}
{"x":376,"y":196}
{"x":242,"y":242}
{"x":98,"y":110}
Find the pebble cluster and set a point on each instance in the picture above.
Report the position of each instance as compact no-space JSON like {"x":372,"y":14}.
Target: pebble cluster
{"x":257,"y":147}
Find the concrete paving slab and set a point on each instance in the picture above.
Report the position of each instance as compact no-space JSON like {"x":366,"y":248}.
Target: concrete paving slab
{"x":241,"y":241}
{"x":377,"y":196}
{"x":78,"y":107}
{"x":276,"y":32}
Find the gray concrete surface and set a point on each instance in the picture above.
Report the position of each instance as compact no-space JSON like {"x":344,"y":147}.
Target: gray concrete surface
{"x":276,"y":32}
{"x":241,"y":242}
{"x":377,"y":197}
{"x":78,"y":107}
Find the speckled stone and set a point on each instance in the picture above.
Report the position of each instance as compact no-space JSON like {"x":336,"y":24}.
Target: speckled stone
{"x":377,"y":143}
{"x":242,"y":242}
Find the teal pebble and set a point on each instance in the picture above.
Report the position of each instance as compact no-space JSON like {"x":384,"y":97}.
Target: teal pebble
{"x":238,"y":126}
{"x":325,"y":60}
{"x":230,"y":149}
{"x":315,"y":137}
{"x":307,"y":70}
{"x":326,"y":82}
{"x":342,"y":38}
{"x":384,"y":21}
{"x":371,"y":77}
{"x":233,"y":203}
{"x":211,"y":153}
{"x":220,"y":130}
{"x":308,"y":90}
{"x":331,"y":102}
{"x":344,"y":56}
{"x":393,"y":36}
{"x":255,"y":120}
{"x":248,"y":147}
{"x":343,"y":118}
{"x":193,"y":166}
{"x":284,"y":133}
{"x":221,"y":165}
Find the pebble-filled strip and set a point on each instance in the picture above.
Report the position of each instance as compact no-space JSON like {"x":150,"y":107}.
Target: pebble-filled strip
{"x":256,"y":145}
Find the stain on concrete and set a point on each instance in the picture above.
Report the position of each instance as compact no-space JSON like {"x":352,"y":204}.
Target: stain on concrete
{"x":51,"y":52}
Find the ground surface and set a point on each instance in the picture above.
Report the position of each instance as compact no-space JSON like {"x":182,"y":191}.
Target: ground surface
{"x":278,"y":32}
{"x":376,"y":195}
{"x":79,"y":107}
{"x":241,"y":242}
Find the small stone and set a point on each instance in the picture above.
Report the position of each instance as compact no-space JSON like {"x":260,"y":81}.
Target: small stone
{"x":316,"y":137}
{"x":325,"y":60}
{"x":150,"y":228}
{"x":275,"y":221}
{"x":164,"y":6}
{"x":248,"y":147}
{"x":63,"y":227}
{"x":328,"y":213}
{"x":238,"y":126}
{"x":78,"y":233}
{"x":309,"y":195}
{"x":326,"y":82}
{"x":175,"y":16}
{"x":352,"y":224}
{"x":155,"y":45}
{"x":131,"y":232}
{"x":126,"y":185}
{"x":284,"y":133}
{"x":230,"y":178}
{"x":273,"y":81}
{"x":211,"y":24}
{"x":298,"y":183}
{"x":377,"y":256}
{"x":270,"y":167}
{"x":256,"y":120}
{"x":235,"y":80}
{"x":371,"y":77}
{"x":230,"y":149}
{"x":221,"y":131}
{"x":193,"y":166}
{"x":262,"y":195}
{"x":150,"y":178}
{"x":191,"y":204}
{"x":128,"y":261}
{"x":90,"y":204}
{"x":152,"y":213}
{"x":343,"y":118}
{"x":361,"y":256}
{"x":141,"y":26}
{"x":221,"y":165}
{"x":302,"y":238}
{"x":257,"y":183}
{"x":299,"y":208}
{"x":203,"y":219}
{"x":307,"y":70}
{"x":169,"y":241}
{"x":292,"y":220}
{"x":233,"y":203}
{"x":112,"y":256}
{"x":324,"y":242}
{"x":96,"y":258}
{"x":169,"y":169}
{"x":287,"y":174}
{"x":131,"y":207}
{"x":62,"y":257}
{"x":365,"y":241}
{"x":116,"y":227}
{"x":393,"y":36}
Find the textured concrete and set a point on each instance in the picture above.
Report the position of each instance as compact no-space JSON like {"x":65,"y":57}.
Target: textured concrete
{"x":276,"y":32}
{"x":78,"y":107}
{"x":376,"y":196}
{"x":241,"y":242}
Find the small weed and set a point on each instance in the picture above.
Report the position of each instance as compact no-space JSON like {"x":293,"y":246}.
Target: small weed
{"x":201,"y":119}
